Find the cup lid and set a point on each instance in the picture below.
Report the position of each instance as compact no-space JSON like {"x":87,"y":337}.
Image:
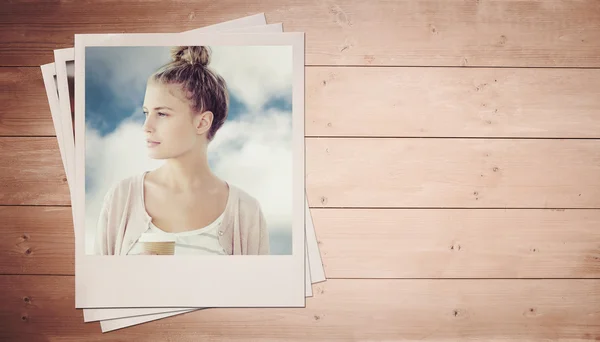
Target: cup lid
{"x":156,"y":237}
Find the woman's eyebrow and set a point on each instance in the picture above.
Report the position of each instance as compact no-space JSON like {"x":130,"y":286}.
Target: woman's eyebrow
{"x":159,"y":108}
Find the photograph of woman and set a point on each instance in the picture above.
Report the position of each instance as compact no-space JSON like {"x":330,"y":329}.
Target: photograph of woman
{"x":181,"y":207}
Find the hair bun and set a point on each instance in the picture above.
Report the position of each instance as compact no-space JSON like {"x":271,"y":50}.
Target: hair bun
{"x":193,"y":55}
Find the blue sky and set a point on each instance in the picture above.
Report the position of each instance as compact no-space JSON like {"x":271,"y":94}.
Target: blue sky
{"x":252,"y":150}
{"x":104,"y":106}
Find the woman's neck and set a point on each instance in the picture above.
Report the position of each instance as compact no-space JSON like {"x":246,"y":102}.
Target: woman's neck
{"x":187,"y":172}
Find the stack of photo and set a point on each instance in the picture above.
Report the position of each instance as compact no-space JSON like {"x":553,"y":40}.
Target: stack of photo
{"x":184,"y":155}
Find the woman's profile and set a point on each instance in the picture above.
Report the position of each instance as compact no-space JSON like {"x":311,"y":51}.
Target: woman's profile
{"x":185,"y":104}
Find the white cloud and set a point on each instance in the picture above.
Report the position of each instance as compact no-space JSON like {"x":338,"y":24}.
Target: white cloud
{"x":253,"y":153}
{"x":263,"y":165}
{"x":126,"y":69}
{"x":109,"y":159}
{"x":255,"y":73}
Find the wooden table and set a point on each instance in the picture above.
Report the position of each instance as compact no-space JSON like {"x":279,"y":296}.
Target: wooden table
{"x":453,"y":170}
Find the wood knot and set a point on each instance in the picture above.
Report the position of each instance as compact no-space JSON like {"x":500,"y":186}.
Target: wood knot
{"x":64,"y":179}
{"x":26,"y":299}
{"x":317,"y":317}
{"x":25,"y":237}
{"x":457,"y":247}
{"x":28,"y":251}
{"x":503,"y":40}
{"x":369,"y":58}
{"x":24,"y":317}
{"x":323,"y":200}
{"x":530,"y":312}
{"x":495,"y":169}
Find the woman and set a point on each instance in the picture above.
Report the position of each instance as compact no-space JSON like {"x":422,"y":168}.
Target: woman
{"x":185,"y":105}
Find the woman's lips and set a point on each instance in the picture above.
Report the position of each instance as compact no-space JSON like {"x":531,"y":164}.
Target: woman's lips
{"x":150,"y":143}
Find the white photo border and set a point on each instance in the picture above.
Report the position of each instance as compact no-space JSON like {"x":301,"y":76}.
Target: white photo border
{"x":235,"y":281}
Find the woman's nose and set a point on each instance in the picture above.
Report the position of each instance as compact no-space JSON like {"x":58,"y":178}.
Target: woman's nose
{"x":146,"y":127}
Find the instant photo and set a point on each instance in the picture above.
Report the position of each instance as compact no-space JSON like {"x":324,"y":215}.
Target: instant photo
{"x":192,"y":168}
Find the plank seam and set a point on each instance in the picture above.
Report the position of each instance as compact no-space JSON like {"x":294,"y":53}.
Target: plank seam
{"x":406,"y":66}
{"x":362,"y":208}
{"x":347,"y":278}
{"x":442,"y":137}
{"x":383,"y":137}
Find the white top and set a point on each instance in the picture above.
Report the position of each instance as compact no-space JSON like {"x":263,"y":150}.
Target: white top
{"x":202,"y":241}
{"x":123,"y":219}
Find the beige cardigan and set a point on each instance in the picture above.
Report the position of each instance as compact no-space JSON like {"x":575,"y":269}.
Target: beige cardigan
{"x":123,"y":218}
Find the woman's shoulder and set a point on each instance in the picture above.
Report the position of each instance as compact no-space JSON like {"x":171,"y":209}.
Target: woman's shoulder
{"x":124,"y":187}
{"x":247,"y":203}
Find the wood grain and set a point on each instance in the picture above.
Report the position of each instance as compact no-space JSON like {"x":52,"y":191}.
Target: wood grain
{"x":471,"y":310}
{"x":31,"y":172}
{"x":373,"y":243}
{"x":481,"y":173}
{"x":37,"y":240}
{"x":395,"y":102}
{"x":452,"y":102}
{"x":24,"y":109}
{"x":458,"y":243}
{"x":457,"y":173}
{"x":557,"y":33}
{"x":384,"y":206}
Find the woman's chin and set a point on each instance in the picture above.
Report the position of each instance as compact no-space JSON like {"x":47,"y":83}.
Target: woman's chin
{"x":154,"y":155}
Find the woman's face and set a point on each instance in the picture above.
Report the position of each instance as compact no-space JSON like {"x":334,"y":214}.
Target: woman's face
{"x":170,"y":127}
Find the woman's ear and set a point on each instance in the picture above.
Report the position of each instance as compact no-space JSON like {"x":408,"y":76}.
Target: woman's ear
{"x":203,"y":121}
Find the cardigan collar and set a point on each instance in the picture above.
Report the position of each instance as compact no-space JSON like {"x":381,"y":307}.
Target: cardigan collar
{"x":139,"y":212}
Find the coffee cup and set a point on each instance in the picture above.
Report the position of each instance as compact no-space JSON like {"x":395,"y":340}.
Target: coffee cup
{"x":157,"y":244}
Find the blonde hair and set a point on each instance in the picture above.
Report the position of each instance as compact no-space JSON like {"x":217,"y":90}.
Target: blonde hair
{"x":206,"y":90}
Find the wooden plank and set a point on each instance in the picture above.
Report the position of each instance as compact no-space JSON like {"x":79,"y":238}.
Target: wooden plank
{"x":452,"y":102}
{"x":465,"y":310}
{"x":380,"y":173}
{"x":37,"y":240}
{"x":24,"y":109}
{"x":557,"y":33}
{"x":458,"y":243}
{"x":453,"y":173}
{"x":373,"y":243}
{"x":31,"y":172}
{"x":395,"y":102}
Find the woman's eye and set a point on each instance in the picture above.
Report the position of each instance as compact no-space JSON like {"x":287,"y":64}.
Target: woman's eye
{"x":162,"y":114}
